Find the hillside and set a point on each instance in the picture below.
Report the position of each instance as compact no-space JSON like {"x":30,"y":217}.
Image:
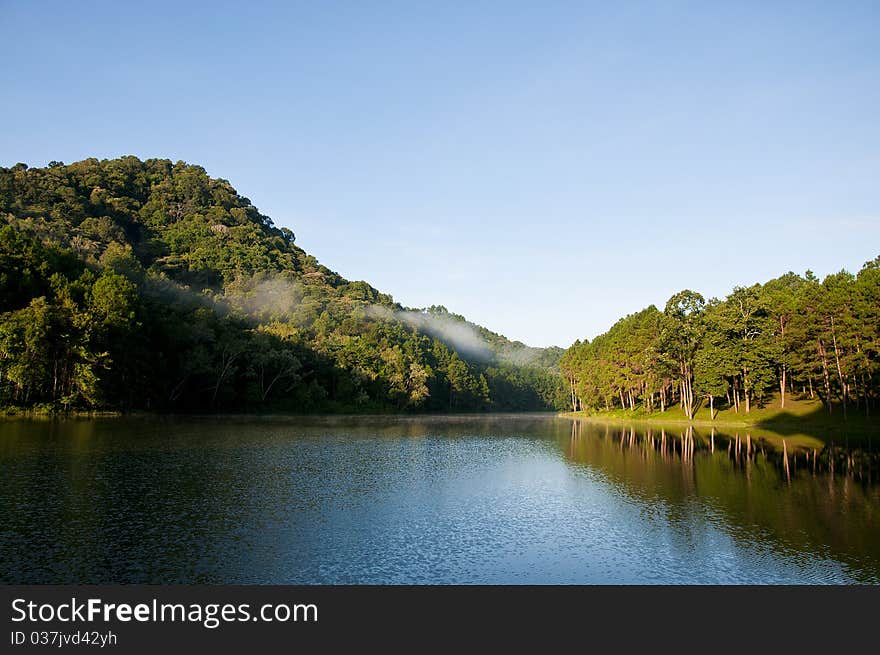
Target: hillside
{"x":148,"y":285}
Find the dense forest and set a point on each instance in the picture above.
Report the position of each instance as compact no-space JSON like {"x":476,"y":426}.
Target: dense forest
{"x":795,"y":335}
{"x":148,"y":285}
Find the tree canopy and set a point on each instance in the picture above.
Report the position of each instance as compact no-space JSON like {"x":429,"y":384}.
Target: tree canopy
{"x":794,"y":334}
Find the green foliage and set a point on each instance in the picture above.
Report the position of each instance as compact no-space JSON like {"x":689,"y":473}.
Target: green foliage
{"x":133,"y":284}
{"x":792,"y":335}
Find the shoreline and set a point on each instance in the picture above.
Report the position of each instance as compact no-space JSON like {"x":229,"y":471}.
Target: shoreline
{"x":79,"y":414}
{"x":802,"y":425}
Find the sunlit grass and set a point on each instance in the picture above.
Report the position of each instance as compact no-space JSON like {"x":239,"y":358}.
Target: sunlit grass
{"x":804,"y":421}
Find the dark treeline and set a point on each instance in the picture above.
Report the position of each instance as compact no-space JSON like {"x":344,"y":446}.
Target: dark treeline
{"x":793,"y":335}
{"x":128,"y":284}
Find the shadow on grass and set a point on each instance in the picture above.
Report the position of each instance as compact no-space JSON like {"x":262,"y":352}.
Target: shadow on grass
{"x":824,"y":425}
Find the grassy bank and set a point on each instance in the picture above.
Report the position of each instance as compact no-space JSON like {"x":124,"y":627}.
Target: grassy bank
{"x":51,"y":412}
{"x":799,"y":416}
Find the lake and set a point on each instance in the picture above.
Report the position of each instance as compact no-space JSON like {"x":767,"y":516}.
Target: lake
{"x":492,"y":499}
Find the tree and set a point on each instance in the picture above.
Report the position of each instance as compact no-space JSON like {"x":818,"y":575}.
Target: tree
{"x":272,"y":359}
{"x":680,"y":338}
{"x":781,"y":297}
{"x":712,"y":365}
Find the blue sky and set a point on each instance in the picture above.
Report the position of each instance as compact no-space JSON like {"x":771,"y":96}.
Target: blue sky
{"x":542,"y":168}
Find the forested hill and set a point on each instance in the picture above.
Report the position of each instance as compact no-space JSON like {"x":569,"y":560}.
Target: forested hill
{"x":128,"y":284}
{"x":795,"y":335}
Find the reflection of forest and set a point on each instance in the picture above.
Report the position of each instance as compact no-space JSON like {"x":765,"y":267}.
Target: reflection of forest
{"x":823,"y":499}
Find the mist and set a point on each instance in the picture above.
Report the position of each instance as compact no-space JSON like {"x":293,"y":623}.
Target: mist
{"x":257,"y":298}
{"x":462,"y":337}
{"x":262,"y":299}
{"x":265,"y":298}
{"x":459,"y":335}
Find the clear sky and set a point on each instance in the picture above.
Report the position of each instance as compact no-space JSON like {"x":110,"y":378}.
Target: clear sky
{"x":543,"y":168}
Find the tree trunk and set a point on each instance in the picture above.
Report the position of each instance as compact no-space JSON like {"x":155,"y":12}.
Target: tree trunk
{"x":690,"y":387}
{"x":782,"y":389}
{"x":226,"y":361}
{"x":843,"y":388}
{"x":825,"y":375}
{"x":782,"y":384}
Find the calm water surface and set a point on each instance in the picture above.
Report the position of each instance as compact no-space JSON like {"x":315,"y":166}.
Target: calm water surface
{"x":502,"y":499}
